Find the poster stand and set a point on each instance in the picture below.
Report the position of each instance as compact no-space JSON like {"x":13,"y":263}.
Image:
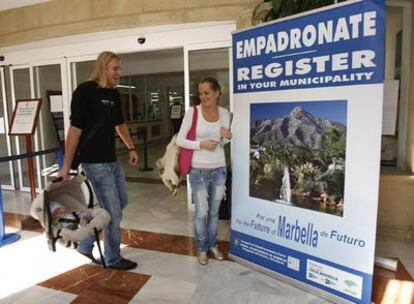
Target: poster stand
{"x":5,"y":238}
{"x":308,"y":141}
{"x":24,"y":121}
{"x":28,"y":222}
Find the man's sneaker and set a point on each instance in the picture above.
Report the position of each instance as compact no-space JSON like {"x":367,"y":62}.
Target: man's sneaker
{"x":202,"y":258}
{"x":216,"y":253}
{"x":91,"y":257}
{"x":124,"y":264}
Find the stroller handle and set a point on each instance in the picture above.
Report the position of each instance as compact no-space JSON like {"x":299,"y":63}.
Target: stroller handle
{"x":59,"y":179}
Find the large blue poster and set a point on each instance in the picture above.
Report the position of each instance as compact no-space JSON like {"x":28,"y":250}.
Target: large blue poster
{"x":308,"y":96}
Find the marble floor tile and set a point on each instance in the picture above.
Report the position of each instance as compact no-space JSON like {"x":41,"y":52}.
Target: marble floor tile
{"x":228,"y":282}
{"x":39,"y":295}
{"x":158,"y":230}
{"x":13,"y":219}
{"x":165,"y":265}
{"x":398,"y":292}
{"x":169,"y":243}
{"x":312,"y":299}
{"x":147,"y":222}
{"x":223,"y":282}
{"x":173,"y":225}
{"x":31,"y":253}
{"x":94,"y":284}
{"x":166,"y":291}
{"x":159,"y":241}
{"x":255,"y":297}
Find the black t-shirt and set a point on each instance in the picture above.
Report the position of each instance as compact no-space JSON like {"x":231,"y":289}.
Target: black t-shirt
{"x":90,"y":105}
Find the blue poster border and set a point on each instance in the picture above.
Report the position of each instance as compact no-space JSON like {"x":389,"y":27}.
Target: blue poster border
{"x":278,"y":266}
{"x":263,"y":64}
{"x":255,"y":60}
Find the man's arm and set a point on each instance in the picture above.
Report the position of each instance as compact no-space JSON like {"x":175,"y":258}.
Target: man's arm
{"x":123,"y":133}
{"x":72,"y":141}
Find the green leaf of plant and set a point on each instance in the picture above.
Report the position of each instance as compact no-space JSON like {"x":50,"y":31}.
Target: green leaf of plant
{"x":258,"y":7}
{"x":277,"y":4}
{"x":306,"y":5}
{"x":288,"y":8}
{"x":271,"y":15}
{"x":283,"y":8}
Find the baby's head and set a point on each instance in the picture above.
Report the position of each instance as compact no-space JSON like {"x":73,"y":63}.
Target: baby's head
{"x":57,"y":210}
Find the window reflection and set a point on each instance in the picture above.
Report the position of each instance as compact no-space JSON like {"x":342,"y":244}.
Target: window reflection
{"x":148,"y":97}
{"x":213,"y":63}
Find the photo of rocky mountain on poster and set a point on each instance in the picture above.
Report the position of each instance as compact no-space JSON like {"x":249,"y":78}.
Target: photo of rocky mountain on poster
{"x":297,"y":154}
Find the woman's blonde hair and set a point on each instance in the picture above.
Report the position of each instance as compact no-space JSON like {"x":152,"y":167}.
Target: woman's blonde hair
{"x":99,"y":71}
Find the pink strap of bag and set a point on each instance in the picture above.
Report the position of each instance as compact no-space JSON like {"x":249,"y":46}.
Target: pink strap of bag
{"x":186,"y":155}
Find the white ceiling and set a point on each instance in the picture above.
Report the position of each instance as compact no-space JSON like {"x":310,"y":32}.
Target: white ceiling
{"x":9,"y":4}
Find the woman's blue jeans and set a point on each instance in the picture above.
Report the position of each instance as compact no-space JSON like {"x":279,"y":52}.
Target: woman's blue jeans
{"x":108,"y":182}
{"x":208,"y":189}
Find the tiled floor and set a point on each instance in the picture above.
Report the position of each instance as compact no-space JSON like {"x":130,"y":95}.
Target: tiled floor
{"x":158,"y":234}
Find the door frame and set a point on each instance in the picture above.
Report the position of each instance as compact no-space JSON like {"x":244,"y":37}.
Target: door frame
{"x":63,"y":75}
{"x":11,"y":186}
{"x":17,"y":139}
{"x":39,"y":143}
{"x":201,"y":47}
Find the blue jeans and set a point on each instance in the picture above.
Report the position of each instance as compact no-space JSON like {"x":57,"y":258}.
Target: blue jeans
{"x":108,"y":182}
{"x":208,"y":189}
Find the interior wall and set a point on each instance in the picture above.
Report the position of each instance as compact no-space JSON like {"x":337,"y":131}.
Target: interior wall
{"x":61,"y":18}
{"x":410,"y":130}
{"x":396,"y":194}
{"x":396,"y":205}
{"x":394,"y":25}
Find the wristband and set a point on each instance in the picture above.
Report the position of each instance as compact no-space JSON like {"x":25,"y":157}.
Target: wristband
{"x":132,"y":149}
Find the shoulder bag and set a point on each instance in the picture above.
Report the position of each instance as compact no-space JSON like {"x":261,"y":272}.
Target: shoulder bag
{"x":186,"y":155}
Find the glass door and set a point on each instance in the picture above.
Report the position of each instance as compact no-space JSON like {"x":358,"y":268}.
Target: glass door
{"x":213,"y":63}
{"x":150,"y":84}
{"x":44,"y":80}
{"x":6,"y":168}
{"x":21,"y":88}
{"x":202,"y":60}
{"x":48,"y":79}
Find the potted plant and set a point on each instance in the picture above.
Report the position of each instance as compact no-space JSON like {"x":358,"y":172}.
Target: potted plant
{"x":273,"y":9}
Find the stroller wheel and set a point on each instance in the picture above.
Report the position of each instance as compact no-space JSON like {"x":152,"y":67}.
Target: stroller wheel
{"x":51,"y":244}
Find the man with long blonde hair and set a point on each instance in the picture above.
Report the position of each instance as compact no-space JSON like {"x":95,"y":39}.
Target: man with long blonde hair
{"x":95,"y":118}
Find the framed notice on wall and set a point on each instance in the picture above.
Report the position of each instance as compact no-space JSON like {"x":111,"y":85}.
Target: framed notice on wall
{"x":176,"y":111}
{"x":25,"y":117}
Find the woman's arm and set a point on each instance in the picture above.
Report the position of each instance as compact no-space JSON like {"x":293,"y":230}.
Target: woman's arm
{"x":225,"y":126}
